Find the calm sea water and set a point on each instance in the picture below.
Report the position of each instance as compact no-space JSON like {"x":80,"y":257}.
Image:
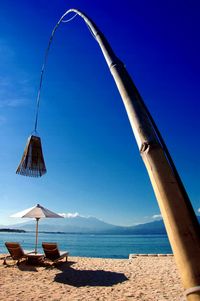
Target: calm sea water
{"x":105,"y":246}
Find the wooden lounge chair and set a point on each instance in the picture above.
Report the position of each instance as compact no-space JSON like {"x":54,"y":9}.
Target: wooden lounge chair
{"x":16,"y":252}
{"x":52,"y":252}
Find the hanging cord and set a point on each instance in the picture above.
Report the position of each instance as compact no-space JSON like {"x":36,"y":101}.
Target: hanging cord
{"x":91,"y":32}
{"x":68,"y":20}
{"x":43,"y":68}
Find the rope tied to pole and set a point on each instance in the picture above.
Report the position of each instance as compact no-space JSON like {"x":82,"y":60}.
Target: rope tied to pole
{"x":68,"y":20}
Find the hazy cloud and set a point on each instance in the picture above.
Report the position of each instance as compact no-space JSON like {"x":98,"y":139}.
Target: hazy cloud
{"x":5,"y":50}
{"x":15,"y":87}
{"x":157,"y":216}
{"x":14,"y":92}
{"x":4,"y":82}
{"x":2,"y":120}
{"x":70,"y":215}
{"x":13,"y":103}
{"x":198,"y":210}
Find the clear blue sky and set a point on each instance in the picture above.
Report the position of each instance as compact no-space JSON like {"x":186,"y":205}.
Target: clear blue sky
{"x":94,"y":166}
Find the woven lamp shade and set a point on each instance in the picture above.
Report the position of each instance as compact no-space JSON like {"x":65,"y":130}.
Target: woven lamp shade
{"x":32,"y":163}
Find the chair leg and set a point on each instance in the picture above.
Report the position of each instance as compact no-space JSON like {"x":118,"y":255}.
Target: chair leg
{"x":4,"y":260}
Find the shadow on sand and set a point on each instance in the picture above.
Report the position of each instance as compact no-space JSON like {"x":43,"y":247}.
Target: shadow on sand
{"x":80,"y":278}
{"x":23,"y":266}
{"x":27,"y":268}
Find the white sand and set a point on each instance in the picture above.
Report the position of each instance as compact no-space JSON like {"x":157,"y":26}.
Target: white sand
{"x":141,"y":279}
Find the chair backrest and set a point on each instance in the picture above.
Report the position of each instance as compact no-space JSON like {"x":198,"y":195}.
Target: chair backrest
{"x":15,"y":250}
{"x":51,"y":250}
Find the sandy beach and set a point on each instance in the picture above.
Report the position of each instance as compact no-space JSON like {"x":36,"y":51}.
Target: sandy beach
{"x":140,"y":278}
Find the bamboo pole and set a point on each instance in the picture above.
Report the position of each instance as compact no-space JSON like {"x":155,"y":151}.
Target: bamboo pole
{"x":178,"y":215}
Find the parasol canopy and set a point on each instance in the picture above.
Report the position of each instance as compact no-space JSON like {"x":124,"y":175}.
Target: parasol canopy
{"x":37,"y":212}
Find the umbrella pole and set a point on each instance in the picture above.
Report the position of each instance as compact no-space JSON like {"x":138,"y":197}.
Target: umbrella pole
{"x":36,"y":238}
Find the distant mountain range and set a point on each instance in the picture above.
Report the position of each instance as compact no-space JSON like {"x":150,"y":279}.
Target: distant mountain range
{"x":91,"y":225}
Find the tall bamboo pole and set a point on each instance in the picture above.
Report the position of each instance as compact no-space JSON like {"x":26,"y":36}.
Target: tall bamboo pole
{"x":178,"y":215}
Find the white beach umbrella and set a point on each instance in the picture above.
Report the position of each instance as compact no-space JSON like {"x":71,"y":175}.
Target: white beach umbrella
{"x":37,"y":212}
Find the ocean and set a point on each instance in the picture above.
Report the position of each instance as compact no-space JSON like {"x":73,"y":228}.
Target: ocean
{"x":90,"y":245}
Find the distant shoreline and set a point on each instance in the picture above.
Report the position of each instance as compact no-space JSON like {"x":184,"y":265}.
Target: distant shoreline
{"x":77,"y":233}
{"x":12,"y":230}
{"x":98,"y":233}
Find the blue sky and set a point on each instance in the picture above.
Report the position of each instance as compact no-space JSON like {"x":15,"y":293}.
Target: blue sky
{"x":93,"y":163}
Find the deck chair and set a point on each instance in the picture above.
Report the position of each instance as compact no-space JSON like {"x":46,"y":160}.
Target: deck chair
{"x":16,"y":252}
{"x":52,"y":252}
